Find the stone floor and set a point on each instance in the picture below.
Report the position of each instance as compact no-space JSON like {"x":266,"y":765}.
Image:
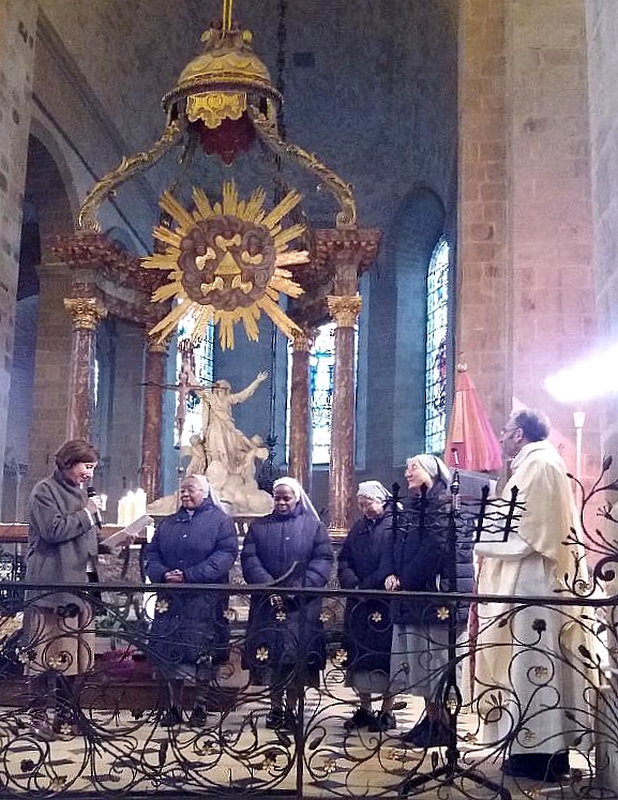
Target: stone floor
{"x":121,"y":754}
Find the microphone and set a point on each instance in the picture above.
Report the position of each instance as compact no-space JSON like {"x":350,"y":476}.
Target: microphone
{"x":98,"y":520}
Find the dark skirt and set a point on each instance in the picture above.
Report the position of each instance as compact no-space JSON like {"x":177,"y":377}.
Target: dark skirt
{"x":284,"y":644}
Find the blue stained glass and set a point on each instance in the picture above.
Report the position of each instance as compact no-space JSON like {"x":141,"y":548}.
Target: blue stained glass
{"x":436,"y":348}
{"x":204,"y":372}
{"x":321,"y":385}
{"x":321,"y":390}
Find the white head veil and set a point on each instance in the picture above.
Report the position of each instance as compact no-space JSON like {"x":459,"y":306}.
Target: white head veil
{"x":374,"y":490}
{"x":203,"y":483}
{"x":299,"y":493}
{"x":434,"y":467}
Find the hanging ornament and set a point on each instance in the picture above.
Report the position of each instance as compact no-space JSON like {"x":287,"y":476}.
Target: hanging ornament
{"x":225,"y":263}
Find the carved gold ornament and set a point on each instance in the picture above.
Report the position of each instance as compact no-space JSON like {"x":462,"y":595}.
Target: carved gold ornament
{"x":225,"y":263}
{"x":344,"y":309}
{"x":213,"y":107}
{"x":86,"y":312}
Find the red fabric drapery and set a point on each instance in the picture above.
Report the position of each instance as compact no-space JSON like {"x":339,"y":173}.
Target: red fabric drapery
{"x":470,"y":432}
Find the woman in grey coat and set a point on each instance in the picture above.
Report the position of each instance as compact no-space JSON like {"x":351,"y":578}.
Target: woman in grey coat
{"x":62,"y":549}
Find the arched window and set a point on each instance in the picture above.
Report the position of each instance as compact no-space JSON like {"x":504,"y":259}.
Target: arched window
{"x":321,"y":387}
{"x":321,"y":390}
{"x":204,"y":372}
{"x":436,"y":348}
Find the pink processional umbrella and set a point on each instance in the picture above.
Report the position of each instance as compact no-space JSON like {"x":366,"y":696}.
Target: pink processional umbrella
{"x":471,"y":443}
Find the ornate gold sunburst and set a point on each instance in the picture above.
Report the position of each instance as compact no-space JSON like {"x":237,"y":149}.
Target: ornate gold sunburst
{"x":225,"y":263}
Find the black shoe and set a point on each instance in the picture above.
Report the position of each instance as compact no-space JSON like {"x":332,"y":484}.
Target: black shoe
{"x":288,"y":723}
{"x":274,"y":718}
{"x":198,"y":716}
{"x":360,"y":719}
{"x":410,"y":736}
{"x":434,"y":734}
{"x":384,"y":721}
{"x":549,"y":767}
{"x":42,"y":729}
{"x":172,"y":717}
{"x":280,"y":720}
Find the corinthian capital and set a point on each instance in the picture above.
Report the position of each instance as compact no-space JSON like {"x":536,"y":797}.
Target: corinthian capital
{"x":86,"y":312}
{"x":344,"y":309}
{"x":302,"y":340}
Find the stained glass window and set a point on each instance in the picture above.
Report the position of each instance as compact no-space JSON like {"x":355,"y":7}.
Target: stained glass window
{"x":436,"y":348}
{"x":321,"y":388}
{"x":321,"y":376}
{"x":203,"y":356}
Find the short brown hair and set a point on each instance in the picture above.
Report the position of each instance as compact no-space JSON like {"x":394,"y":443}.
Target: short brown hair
{"x":76,"y":451}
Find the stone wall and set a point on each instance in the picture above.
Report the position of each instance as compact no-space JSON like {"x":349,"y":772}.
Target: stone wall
{"x":602,"y":29}
{"x":17,"y":37}
{"x":527,"y":293}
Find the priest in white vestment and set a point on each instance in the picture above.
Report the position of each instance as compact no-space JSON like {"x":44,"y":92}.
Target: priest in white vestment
{"x":531,"y":680}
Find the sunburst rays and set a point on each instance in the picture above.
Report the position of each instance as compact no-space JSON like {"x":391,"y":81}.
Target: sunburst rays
{"x":217,"y":300}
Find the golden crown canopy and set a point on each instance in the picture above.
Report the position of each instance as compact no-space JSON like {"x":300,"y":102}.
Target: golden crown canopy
{"x":225,"y":100}
{"x":219,"y":83}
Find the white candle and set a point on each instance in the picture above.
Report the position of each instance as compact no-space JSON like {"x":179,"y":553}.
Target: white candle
{"x":122,"y":511}
{"x":130,"y":507}
{"x":139,"y":503}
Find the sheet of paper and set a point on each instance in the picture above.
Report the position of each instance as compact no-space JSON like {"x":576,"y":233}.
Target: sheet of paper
{"x":132,"y":529}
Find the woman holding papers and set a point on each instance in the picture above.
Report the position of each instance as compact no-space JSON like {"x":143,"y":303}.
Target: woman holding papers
{"x":62,"y":549}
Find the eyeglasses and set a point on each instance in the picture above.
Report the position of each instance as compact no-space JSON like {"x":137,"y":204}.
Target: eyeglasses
{"x":506,"y":431}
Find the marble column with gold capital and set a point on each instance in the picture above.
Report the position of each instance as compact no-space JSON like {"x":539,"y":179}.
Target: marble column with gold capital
{"x":156,"y":355}
{"x":86,"y":313}
{"x":300,"y":410}
{"x":344,"y":309}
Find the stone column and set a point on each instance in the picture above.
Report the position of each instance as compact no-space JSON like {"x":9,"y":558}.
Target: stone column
{"x":343,"y":253}
{"x":153,"y":406}
{"x":300,"y":411}
{"x":86,"y":313}
{"x":18,"y":22}
{"x":345,"y":310}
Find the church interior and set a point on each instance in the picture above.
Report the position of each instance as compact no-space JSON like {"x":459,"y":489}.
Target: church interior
{"x":487,"y":126}
{"x":437,"y":179}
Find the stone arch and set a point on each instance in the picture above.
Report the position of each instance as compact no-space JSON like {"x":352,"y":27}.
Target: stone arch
{"x":396,"y":324}
{"x":48,"y":170}
{"x":121,"y":238}
{"x":37,"y":406}
{"x":418,"y":225}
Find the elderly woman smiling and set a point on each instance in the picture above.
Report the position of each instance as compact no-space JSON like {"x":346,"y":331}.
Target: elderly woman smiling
{"x":291,"y":548}
{"x":189,"y":635}
{"x":420,"y":626}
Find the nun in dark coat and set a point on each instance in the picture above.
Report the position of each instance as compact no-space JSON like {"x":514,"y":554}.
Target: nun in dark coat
{"x":364,"y":563}
{"x":285,"y":642}
{"x":421,"y":554}
{"x":189,"y":636}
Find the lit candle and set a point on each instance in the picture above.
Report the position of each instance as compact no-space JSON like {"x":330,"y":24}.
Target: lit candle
{"x":139,"y":503}
{"x":130,"y":507}
{"x":122,"y":511}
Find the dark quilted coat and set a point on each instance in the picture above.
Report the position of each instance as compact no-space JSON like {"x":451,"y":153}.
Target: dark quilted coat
{"x":364,"y":562}
{"x":292,"y":634}
{"x":426,"y":542}
{"x":190,"y":627}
